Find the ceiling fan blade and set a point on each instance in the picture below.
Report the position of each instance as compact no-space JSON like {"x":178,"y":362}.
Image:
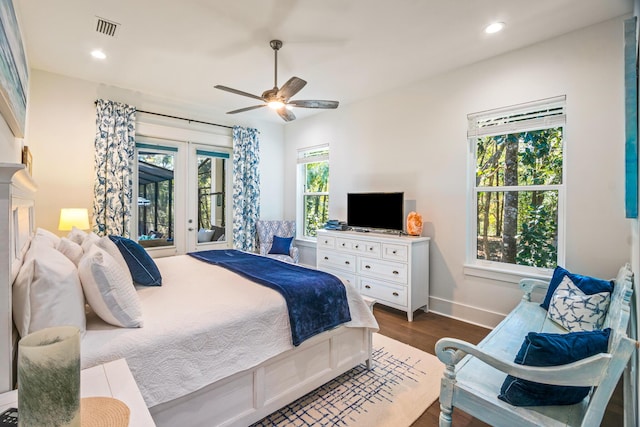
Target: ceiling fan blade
{"x":246,"y":109}
{"x":286,"y":114}
{"x":291,"y":87}
{"x":237,"y":92}
{"x":316,"y":103}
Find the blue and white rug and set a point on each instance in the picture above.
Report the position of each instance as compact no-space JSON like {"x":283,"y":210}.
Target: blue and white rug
{"x":403,"y":383}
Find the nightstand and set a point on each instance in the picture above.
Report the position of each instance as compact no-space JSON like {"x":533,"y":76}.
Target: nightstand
{"x":112,"y":379}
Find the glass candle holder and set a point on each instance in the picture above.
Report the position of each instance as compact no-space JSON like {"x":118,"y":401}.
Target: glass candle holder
{"x":49,"y":378}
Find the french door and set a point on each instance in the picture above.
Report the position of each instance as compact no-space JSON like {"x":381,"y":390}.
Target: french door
{"x":182,"y":197}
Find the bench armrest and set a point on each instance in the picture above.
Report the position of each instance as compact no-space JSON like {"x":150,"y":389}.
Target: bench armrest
{"x":529,"y":285}
{"x":585,"y":372}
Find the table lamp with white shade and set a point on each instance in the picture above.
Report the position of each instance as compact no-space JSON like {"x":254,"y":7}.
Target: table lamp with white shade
{"x":73,"y":217}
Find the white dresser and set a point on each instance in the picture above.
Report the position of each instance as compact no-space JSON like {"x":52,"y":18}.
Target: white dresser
{"x":391,"y":269}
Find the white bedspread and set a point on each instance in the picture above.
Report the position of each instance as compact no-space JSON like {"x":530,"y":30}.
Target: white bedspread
{"x":203,"y":324}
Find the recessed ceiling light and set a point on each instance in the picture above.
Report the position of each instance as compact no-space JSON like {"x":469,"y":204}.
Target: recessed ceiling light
{"x":98,"y":54}
{"x":494,"y":28}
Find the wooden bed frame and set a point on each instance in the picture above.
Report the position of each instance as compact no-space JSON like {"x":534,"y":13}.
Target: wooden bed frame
{"x":238,"y":400}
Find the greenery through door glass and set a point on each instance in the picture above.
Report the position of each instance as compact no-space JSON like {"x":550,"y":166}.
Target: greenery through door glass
{"x":517,"y":198}
{"x":155,"y":198}
{"x":211,"y":188}
{"x":316,"y":196}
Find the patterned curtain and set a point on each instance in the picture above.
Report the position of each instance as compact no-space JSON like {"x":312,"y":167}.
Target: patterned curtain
{"x":246,"y":187}
{"x":114,"y":160}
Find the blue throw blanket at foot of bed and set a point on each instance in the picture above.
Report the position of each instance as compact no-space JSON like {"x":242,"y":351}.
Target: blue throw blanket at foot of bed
{"x":317,"y":301}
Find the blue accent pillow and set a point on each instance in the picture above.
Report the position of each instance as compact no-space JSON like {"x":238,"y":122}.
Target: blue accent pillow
{"x":144,"y":270}
{"x":588,"y":285}
{"x":280,"y":245}
{"x":540,"y":349}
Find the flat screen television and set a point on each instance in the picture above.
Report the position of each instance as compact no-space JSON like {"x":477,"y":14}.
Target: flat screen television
{"x":383,"y":211}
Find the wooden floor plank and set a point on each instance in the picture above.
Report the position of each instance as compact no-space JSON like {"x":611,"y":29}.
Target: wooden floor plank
{"x":423,"y":333}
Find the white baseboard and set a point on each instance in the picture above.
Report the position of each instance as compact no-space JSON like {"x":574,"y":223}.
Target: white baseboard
{"x":465,"y":313}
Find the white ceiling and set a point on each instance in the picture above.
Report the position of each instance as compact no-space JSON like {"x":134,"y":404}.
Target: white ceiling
{"x":346,"y":50}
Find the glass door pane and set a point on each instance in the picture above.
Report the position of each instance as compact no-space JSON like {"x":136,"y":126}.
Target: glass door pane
{"x":211,"y":197}
{"x":156,"y":197}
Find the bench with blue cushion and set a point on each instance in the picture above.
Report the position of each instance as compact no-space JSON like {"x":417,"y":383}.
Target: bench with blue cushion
{"x":475,"y":374}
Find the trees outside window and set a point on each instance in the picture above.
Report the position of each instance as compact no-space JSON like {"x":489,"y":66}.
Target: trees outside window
{"x":313,"y":184}
{"x":518,"y":188}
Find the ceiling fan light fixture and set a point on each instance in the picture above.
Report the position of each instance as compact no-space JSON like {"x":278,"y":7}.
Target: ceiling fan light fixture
{"x":276,"y":105}
{"x":279,"y":98}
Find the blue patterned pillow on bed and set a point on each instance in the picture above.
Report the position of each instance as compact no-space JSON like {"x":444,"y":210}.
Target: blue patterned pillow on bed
{"x":144,"y":270}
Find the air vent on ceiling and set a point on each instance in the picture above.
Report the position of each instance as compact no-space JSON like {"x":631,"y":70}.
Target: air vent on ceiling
{"x":106,"y":27}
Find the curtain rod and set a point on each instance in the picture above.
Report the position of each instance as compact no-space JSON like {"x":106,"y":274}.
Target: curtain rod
{"x":181,"y":118}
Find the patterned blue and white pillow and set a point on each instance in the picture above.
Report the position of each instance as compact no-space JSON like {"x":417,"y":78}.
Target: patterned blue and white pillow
{"x":575,"y":311}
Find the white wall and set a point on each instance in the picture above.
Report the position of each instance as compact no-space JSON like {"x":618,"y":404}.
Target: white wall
{"x":10,"y":146}
{"x":414,"y":140}
{"x":61,"y":131}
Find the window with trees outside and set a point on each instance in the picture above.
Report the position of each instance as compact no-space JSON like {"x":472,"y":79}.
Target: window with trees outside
{"x":313,"y":193}
{"x":517,"y":220}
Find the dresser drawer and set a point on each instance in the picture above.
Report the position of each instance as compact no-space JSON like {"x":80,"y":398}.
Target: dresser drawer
{"x":386,"y":270}
{"x":343,"y":275}
{"x":326,"y":242}
{"x":372,"y":249}
{"x":341,"y":261}
{"x":395,"y":252}
{"x":383,"y":292}
{"x":350,"y":245}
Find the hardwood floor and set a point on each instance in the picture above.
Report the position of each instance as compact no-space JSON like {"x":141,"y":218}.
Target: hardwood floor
{"x":423,"y":333}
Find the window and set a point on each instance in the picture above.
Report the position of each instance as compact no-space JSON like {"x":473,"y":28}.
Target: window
{"x":517,"y":187}
{"x":313,"y":190}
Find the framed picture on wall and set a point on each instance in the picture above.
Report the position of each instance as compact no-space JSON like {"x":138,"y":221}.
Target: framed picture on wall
{"x":13,"y":71}
{"x":631,"y":117}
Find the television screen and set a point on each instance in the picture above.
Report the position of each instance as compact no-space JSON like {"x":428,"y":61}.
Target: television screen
{"x":376,"y":210}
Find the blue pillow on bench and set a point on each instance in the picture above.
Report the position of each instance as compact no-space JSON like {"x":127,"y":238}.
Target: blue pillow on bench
{"x":588,"y":285}
{"x":541,"y":349}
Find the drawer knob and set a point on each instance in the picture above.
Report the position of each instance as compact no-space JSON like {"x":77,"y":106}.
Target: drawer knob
{"x":347,"y":262}
{"x":357,"y":246}
{"x":326,"y":242}
{"x":371,"y":248}
{"x":326,"y":258}
{"x":367,"y":266}
{"x":343,"y":245}
{"x":395,"y":252}
{"x":367,"y":286}
{"x":395,"y":294}
{"x":395,"y":272}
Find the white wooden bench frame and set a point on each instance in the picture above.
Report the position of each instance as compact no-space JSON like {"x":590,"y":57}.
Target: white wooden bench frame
{"x":601,"y":371}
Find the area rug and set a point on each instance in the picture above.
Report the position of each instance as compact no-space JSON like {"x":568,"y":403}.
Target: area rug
{"x":403,"y":383}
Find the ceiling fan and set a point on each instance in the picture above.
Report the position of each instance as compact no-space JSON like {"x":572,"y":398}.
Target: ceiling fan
{"x":279,"y":99}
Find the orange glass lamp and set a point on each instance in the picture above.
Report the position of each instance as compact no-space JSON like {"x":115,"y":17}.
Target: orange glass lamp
{"x":73,"y":217}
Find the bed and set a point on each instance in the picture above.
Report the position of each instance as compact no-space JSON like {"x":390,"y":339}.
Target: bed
{"x":215,"y":347}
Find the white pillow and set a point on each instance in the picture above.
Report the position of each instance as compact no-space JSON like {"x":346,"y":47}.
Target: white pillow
{"x":46,"y":236}
{"x":107,"y":244}
{"x":574,"y":310}
{"x":47,"y":292}
{"x":109,"y":289}
{"x":89,"y":240}
{"x":205,"y":235}
{"x":70,"y":249}
{"x":76,"y":235}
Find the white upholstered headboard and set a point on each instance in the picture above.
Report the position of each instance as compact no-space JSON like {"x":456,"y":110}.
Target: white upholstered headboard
{"x":17,"y":222}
